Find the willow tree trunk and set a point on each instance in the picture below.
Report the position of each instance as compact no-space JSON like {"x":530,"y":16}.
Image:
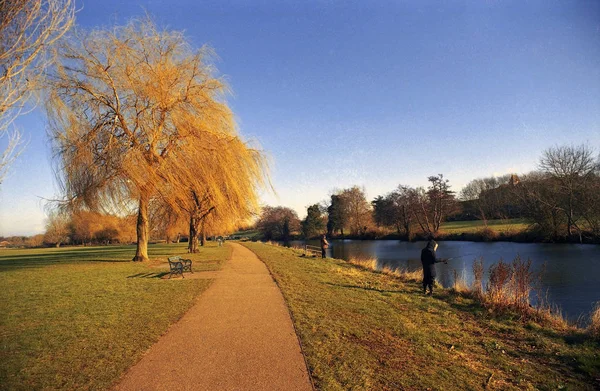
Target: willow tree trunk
{"x":141,"y":252}
{"x":203,"y":235}
{"x":193,"y":241}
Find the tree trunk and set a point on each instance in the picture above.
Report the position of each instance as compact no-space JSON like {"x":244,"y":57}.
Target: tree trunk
{"x":141,"y":251}
{"x":202,"y":235}
{"x":483,"y":217}
{"x":408,"y":232}
{"x":193,"y":241}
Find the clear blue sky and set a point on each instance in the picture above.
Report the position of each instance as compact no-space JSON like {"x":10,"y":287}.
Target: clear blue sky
{"x":372,"y":93}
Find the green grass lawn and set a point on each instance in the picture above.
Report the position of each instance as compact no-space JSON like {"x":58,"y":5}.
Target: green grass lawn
{"x":506,"y":226}
{"x":363,"y":330}
{"x":77,"y":318}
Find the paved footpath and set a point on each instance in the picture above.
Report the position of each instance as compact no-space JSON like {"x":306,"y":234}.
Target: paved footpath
{"x":238,"y":336}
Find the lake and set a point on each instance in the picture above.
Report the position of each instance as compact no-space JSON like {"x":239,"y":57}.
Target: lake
{"x":571,"y":278}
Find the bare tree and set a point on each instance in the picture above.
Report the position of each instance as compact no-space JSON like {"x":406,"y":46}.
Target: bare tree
{"x":358,"y":209}
{"x":441,"y":200}
{"x":420,"y":208}
{"x":137,"y":115}
{"x":395,"y":210}
{"x":573,"y":168}
{"x":27,"y":29}
{"x":402,"y":201}
{"x":278,"y":222}
{"x":57,"y":228}
{"x":537,"y":193}
{"x":430,"y":207}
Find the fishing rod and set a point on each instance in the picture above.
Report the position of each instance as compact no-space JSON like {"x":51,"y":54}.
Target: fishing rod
{"x":462,"y":256}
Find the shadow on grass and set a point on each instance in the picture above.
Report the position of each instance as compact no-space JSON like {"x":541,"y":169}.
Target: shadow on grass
{"x":365,"y":288}
{"x":70,"y":255}
{"x":149,"y":275}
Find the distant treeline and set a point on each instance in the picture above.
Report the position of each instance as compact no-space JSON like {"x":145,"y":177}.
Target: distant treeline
{"x":561,"y":200}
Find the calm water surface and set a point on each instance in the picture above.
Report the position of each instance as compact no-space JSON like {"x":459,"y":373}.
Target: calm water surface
{"x":571,"y":278}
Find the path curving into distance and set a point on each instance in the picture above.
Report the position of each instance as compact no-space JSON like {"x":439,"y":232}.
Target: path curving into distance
{"x":238,"y":336}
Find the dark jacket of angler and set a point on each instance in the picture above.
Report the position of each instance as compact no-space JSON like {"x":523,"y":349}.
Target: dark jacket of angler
{"x":428,"y":260}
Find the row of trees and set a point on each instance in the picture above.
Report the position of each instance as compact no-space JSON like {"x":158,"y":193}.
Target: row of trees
{"x":348,"y":209}
{"x":561,"y":200}
{"x":87,"y":228}
{"x":407,"y":207}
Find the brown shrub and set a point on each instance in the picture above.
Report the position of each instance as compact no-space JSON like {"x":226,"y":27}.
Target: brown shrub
{"x":594,"y":326}
{"x":460,"y":285}
{"x":487,"y":234}
{"x":497,"y":290}
{"x":522,"y":282}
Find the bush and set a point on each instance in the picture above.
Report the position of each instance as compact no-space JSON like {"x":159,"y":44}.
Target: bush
{"x":594,"y":326}
{"x":487,"y":234}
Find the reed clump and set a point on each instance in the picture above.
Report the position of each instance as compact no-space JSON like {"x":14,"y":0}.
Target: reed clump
{"x":478,"y":271}
{"x":509,"y":284}
{"x":404,"y":274}
{"x":371,"y":264}
{"x":594,"y":326}
{"x":460,"y":284}
{"x":367,"y":263}
{"x":509,"y":289}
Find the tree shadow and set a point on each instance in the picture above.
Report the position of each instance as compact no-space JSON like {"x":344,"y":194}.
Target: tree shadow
{"x":149,"y":275}
{"x":41,"y":258}
{"x":365,"y":288}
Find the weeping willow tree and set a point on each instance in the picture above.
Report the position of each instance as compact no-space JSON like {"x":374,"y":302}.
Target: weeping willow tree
{"x":137,"y":115}
{"x":235,"y":170}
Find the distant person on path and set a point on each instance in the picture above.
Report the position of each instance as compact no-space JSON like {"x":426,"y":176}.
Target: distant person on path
{"x":324,"y":245}
{"x":428,"y":260}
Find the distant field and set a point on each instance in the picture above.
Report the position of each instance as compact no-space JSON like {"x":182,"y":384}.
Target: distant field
{"x":509,"y":225}
{"x":77,"y":318}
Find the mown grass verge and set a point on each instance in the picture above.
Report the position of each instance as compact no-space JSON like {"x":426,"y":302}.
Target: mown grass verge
{"x":77,"y":318}
{"x":364,"y":330}
{"x":507,"y":226}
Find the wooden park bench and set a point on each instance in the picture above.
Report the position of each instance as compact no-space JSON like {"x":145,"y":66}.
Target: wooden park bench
{"x":177,"y":265}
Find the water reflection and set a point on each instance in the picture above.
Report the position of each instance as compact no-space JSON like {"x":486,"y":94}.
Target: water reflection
{"x":571,"y":277}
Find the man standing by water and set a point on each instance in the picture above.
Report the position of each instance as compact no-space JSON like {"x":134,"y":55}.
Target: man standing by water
{"x":428,"y":260}
{"x":324,"y":245}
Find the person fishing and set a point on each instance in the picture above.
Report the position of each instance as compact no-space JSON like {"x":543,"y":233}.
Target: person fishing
{"x":428,"y":260}
{"x":324,"y":245}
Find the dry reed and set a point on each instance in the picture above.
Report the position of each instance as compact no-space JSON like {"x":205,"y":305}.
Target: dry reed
{"x":460,"y":284}
{"x":367,"y":263}
{"x":594,"y":326}
{"x":478,"y":270}
{"x":371,"y":264}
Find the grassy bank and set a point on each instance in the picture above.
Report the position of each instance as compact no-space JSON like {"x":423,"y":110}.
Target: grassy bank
{"x":77,"y":318}
{"x":364,"y":330}
{"x":507,"y":226}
